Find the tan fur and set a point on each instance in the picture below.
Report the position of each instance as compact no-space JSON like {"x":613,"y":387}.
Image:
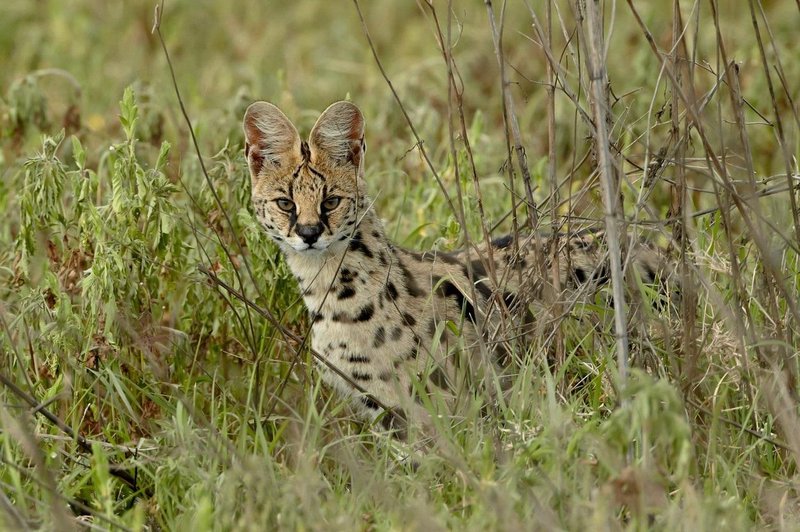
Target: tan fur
{"x":380,"y":312}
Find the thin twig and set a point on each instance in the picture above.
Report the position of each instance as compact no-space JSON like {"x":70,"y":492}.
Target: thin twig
{"x":595,"y":65}
{"x":679,"y":208}
{"x":555,"y":269}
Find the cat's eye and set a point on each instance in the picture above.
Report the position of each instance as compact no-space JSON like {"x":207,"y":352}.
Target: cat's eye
{"x":285,"y":204}
{"x":331,"y":203}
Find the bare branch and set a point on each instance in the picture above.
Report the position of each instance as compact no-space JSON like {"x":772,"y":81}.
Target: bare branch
{"x":595,"y":64}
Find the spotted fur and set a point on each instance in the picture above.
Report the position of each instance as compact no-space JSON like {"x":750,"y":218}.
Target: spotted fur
{"x":380,"y":313}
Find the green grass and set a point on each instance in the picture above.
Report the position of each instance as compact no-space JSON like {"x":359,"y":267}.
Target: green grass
{"x":109,"y":322}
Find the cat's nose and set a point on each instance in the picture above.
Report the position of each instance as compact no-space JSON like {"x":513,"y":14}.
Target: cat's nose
{"x":309,"y":233}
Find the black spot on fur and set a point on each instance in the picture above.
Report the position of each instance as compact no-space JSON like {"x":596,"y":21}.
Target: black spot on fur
{"x":431,"y":327}
{"x":409,"y":320}
{"x":365,"y":313}
{"x":391,"y":291}
{"x":412,"y":354}
{"x":438,"y":378}
{"x":510,"y":298}
{"x":317,"y":316}
{"x":580,"y":275}
{"x":357,"y":245}
{"x":385,"y":376}
{"x":380,"y":337}
{"x":410,"y":283}
{"x":346,"y":292}
{"x":484,"y":289}
{"x":360,"y":376}
{"x":342,"y":345}
{"x":340,"y":317}
{"x":347,"y":275}
{"x":370,"y":403}
{"x":395,"y":421}
{"x":502,"y":242}
{"x":448,"y":289}
{"x":382,"y":259}
{"x":397,"y":333}
{"x":358,"y":359}
{"x":478,"y":270}
{"x":479,"y":277}
{"x":515,"y":261}
{"x":601,"y":275}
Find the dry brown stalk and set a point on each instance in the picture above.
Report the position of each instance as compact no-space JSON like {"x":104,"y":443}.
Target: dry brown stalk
{"x":595,"y":65}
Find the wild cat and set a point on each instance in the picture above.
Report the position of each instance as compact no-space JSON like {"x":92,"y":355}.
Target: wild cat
{"x":397,"y":325}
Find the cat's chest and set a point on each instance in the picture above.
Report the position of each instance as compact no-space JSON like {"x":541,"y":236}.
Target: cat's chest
{"x":362,"y":351}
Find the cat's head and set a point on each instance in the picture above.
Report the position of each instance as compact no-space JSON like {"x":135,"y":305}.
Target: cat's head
{"x":306,"y":194}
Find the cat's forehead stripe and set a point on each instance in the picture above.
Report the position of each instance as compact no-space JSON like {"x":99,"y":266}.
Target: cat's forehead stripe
{"x":316,"y":172}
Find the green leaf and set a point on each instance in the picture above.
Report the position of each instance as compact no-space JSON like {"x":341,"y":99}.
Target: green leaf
{"x":166,"y":222}
{"x":163,"y":155}
{"x":78,"y":153}
{"x":129,"y":112}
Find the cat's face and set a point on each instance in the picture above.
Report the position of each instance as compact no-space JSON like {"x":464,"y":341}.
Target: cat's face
{"x":307,"y":195}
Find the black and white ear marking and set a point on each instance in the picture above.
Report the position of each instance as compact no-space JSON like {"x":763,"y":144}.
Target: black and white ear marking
{"x":271,"y":139}
{"x":338,"y":135}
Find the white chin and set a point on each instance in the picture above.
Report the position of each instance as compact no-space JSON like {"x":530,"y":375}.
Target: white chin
{"x":317,"y":246}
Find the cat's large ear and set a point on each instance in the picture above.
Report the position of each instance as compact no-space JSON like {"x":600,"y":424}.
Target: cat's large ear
{"x":272,"y":141}
{"x":338,"y":136}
